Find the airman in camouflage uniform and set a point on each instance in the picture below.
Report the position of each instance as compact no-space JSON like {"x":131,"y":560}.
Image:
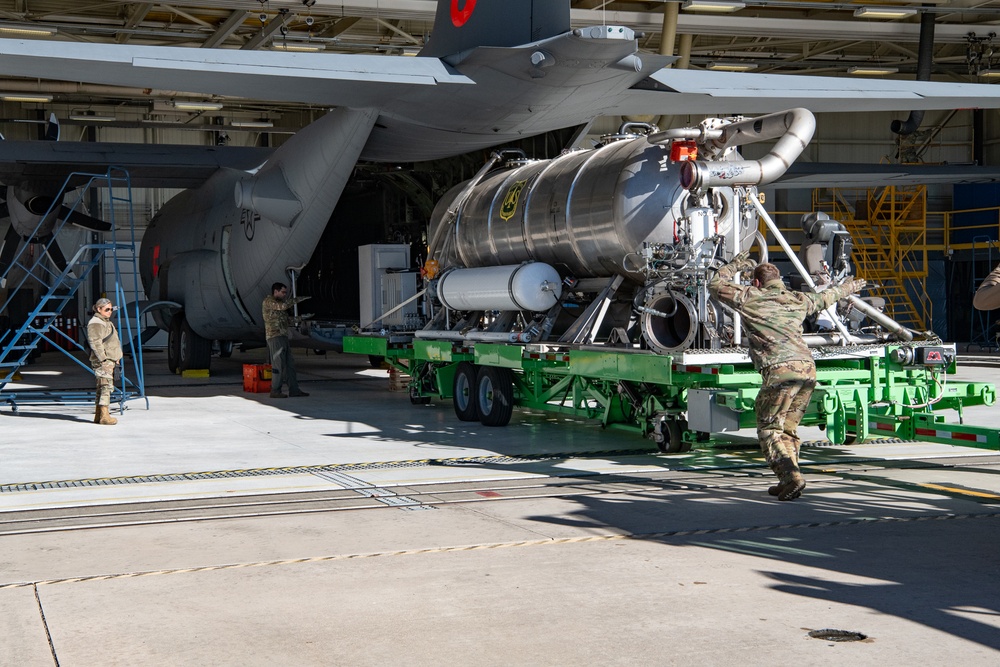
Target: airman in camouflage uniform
{"x":275,"y":311}
{"x":772,"y":319}
{"x":105,"y":354}
{"x":987,"y":297}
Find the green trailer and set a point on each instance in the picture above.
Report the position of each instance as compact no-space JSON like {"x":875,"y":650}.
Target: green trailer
{"x":894,"y":390}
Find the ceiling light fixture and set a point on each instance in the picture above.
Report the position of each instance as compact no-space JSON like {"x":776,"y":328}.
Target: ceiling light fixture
{"x":92,"y":117}
{"x":872,"y":71}
{"x":25,"y":97}
{"x":198,"y":106}
{"x":297,"y":47}
{"x":718,"y":6}
{"x":884,"y":12}
{"x":263,"y":122}
{"x":29,"y":30}
{"x":731,"y":66}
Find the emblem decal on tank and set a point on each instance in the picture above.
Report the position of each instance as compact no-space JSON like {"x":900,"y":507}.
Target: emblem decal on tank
{"x":509,"y":206}
{"x":459,"y":17}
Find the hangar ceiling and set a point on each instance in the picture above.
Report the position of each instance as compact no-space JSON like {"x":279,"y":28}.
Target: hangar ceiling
{"x":818,"y":37}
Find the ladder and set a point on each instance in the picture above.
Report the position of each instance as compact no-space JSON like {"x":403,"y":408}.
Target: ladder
{"x":983,"y":262}
{"x":889,"y":229}
{"x":60,"y":286}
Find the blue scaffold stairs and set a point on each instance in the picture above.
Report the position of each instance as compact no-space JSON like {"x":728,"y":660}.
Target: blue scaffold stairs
{"x":39,"y":266}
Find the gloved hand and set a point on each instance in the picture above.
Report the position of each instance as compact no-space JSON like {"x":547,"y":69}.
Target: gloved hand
{"x":859,"y":285}
{"x":743,"y":261}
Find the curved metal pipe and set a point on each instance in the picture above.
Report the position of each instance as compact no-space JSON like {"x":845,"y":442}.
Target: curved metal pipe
{"x":825,"y":339}
{"x":892,"y":325}
{"x":793,"y":129}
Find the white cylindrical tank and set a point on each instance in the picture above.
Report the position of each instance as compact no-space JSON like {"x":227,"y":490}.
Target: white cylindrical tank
{"x":533,"y":286}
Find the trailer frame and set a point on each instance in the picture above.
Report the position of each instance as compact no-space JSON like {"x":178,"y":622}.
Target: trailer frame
{"x":685,"y":400}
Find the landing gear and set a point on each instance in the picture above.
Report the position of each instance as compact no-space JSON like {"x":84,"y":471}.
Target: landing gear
{"x":174,"y":343}
{"x":495,"y":395}
{"x":464,"y":395}
{"x":186,"y":350}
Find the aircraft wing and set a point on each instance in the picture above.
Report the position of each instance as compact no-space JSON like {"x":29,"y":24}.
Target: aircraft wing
{"x":148,"y":165}
{"x":808,"y":175}
{"x":313,"y":78}
{"x":675,"y":91}
{"x":357,"y":81}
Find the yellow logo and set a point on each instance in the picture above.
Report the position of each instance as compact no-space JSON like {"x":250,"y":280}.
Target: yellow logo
{"x":509,"y":206}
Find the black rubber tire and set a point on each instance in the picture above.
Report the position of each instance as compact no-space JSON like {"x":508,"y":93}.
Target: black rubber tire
{"x":174,"y":343}
{"x":495,"y":395}
{"x":226,"y":349}
{"x":673,"y":437}
{"x":375,"y":360}
{"x":464,"y":392}
{"x":195,"y":351}
{"x":416,"y":398}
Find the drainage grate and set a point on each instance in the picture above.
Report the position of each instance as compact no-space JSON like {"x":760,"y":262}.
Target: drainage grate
{"x":831,"y":635}
{"x":335,"y":468}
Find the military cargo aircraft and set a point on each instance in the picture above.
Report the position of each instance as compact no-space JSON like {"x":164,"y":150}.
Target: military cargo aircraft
{"x":491,"y":72}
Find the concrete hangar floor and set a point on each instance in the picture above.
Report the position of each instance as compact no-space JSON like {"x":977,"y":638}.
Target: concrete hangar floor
{"x":353,"y":528}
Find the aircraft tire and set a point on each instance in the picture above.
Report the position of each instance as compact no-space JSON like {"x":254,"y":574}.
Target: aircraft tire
{"x":195,"y":351}
{"x":174,"y":343}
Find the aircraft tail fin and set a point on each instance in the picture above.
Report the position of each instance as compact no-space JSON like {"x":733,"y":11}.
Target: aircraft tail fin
{"x":461,"y":25}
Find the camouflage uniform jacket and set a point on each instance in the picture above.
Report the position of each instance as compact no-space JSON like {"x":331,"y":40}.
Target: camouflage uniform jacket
{"x":105,"y":345}
{"x":275,"y":313}
{"x":773,"y":315}
{"x":987,"y":297}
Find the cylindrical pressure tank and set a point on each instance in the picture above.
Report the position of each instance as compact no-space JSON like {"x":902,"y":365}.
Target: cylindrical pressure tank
{"x":583,"y":212}
{"x":534,"y":287}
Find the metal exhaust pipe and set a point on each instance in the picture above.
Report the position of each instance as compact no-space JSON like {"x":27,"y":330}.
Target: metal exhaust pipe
{"x":793,"y":129}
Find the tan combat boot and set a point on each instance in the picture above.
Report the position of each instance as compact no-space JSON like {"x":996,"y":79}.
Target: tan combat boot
{"x":790,"y":480}
{"x":105,"y":417}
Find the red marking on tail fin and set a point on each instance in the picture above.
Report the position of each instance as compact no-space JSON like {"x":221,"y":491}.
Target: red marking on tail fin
{"x":460,"y":16}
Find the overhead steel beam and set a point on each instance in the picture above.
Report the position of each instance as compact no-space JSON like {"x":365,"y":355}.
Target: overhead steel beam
{"x":228,"y":27}
{"x":139,"y":13}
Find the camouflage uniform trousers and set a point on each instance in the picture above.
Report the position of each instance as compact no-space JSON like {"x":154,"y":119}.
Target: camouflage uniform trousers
{"x":105,"y":386}
{"x":780,"y":405}
{"x":282,"y":365}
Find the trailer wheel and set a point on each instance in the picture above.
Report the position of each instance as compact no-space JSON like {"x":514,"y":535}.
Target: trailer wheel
{"x":464,"y":394}
{"x":495,"y":395}
{"x":673,"y":437}
{"x":416,"y":398}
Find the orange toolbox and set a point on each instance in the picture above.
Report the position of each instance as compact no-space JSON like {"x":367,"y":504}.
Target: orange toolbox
{"x":257,"y":378}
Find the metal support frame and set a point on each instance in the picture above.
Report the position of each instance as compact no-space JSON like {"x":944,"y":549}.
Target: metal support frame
{"x":857,"y":396}
{"x":60,"y":289}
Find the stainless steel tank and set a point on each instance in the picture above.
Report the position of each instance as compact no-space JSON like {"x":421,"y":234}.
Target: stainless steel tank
{"x":533,"y":286}
{"x":584,"y":212}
